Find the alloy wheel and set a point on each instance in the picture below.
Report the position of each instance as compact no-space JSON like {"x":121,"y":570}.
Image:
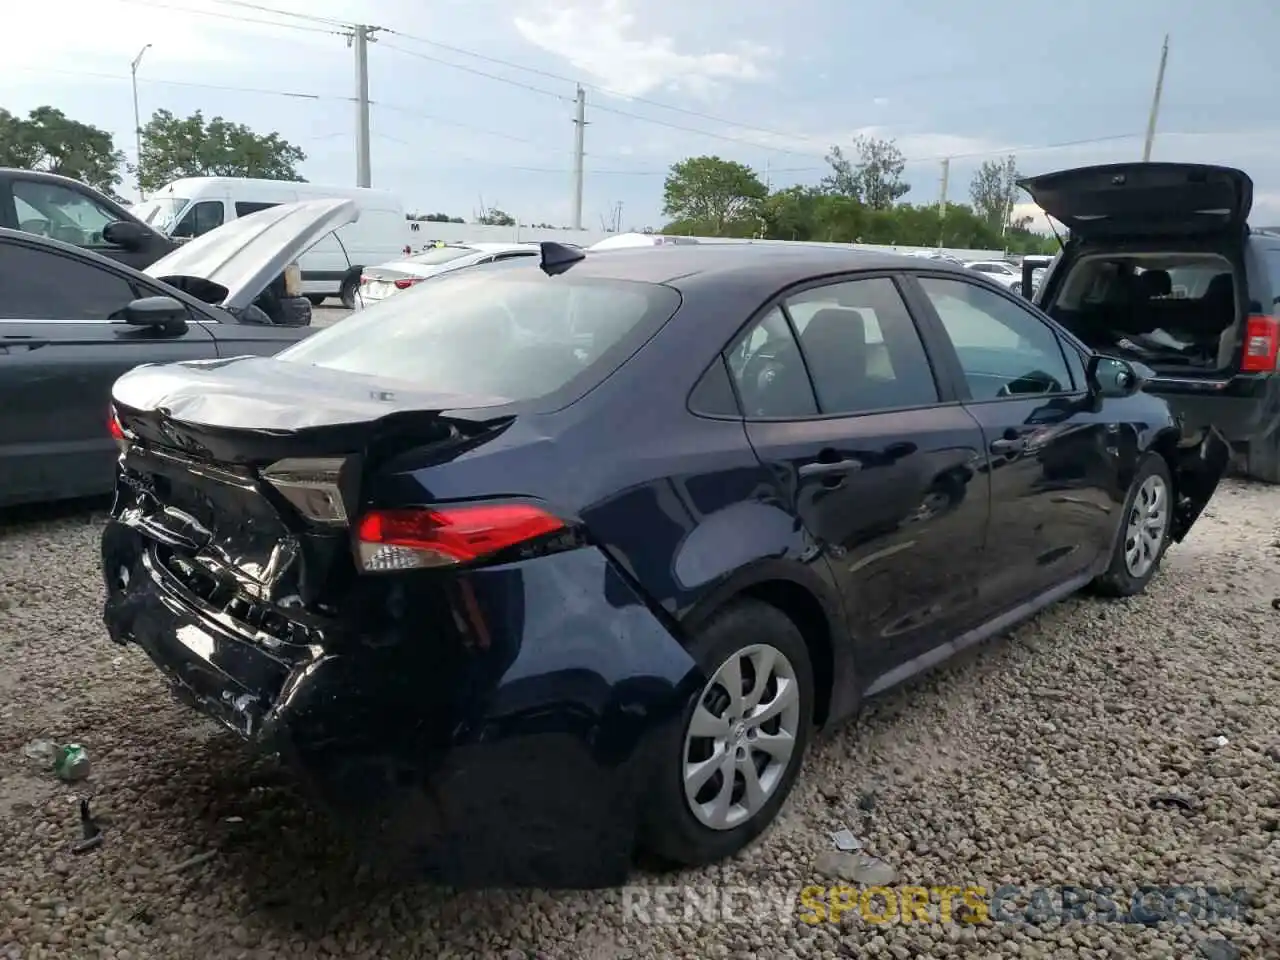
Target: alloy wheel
{"x":741,"y":737}
{"x":1148,"y":521}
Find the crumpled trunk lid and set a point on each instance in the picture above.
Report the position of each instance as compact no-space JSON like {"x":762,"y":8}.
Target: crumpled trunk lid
{"x":242,"y":477}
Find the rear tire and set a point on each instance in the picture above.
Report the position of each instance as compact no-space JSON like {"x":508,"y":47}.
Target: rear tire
{"x":703,"y":808}
{"x":1262,"y":460}
{"x":347,"y":294}
{"x":1144,"y":534}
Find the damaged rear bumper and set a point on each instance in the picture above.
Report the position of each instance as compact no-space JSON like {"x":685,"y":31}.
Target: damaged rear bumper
{"x":500,"y":741}
{"x":1199,"y":470}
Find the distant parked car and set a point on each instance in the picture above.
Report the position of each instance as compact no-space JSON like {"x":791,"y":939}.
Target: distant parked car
{"x":72,"y":321}
{"x":998,"y":271}
{"x":623,"y":241}
{"x":387,"y":279}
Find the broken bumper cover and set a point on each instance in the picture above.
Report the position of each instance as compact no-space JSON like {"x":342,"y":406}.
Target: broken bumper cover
{"x":520,"y":764}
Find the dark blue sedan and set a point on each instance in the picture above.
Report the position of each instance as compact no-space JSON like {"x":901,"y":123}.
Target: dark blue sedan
{"x":542,"y":564}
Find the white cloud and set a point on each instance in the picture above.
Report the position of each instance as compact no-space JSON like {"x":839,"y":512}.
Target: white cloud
{"x":105,"y":36}
{"x":1040,"y":222}
{"x":602,"y":39}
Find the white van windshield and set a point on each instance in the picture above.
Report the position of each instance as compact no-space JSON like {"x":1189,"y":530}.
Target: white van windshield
{"x":160,"y":212}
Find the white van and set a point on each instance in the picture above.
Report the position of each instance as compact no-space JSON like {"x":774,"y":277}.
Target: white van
{"x":195,"y":205}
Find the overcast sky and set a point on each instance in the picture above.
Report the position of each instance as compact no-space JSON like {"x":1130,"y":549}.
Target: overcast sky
{"x":767,"y":83}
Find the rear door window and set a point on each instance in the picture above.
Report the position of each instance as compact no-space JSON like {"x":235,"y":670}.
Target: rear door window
{"x":770,"y":373}
{"x":862,"y":347}
{"x":492,"y":337}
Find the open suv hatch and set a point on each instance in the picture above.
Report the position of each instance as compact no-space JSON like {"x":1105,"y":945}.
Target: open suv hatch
{"x":1160,"y":266}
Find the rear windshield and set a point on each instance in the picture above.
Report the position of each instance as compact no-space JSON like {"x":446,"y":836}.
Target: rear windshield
{"x":440,"y":255}
{"x":1272,"y":257}
{"x":508,"y":332}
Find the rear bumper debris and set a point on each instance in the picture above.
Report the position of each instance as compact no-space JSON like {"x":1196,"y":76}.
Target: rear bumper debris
{"x":1200,"y":468}
{"x":504,"y":741}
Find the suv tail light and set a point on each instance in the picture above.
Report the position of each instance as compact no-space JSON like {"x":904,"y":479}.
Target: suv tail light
{"x":390,"y":540}
{"x":1261,"y":340}
{"x":404,"y":283}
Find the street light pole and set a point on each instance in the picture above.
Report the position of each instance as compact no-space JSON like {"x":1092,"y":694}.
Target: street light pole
{"x":137,"y":119}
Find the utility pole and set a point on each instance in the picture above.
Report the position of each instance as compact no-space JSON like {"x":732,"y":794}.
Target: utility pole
{"x":358,"y":39}
{"x":942,"y":200}
{"x":1155,"y":102}
{"x":137,"y":119}
{"x":579,"y":142}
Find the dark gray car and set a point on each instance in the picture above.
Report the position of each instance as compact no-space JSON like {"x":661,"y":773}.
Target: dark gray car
{"x":72,"y":321}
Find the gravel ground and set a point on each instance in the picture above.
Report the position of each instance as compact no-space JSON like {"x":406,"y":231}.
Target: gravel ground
{"x":327,"y":315}
{"x":1031,"y":761}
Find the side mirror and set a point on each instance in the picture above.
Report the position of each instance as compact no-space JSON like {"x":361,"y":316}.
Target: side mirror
{"x":122,"y":233}
{"x":1113,"y":377}
{"x":164,"y":314}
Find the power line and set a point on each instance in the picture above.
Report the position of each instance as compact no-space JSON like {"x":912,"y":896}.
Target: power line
{"x":479,"y":73}
{"x":228,"y":16}
{"x":283,"y":13}
{"x":452,"y":123}
{"x":498,"y":61}
{"x":265,"y":91}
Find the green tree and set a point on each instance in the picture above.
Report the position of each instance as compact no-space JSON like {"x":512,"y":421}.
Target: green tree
{"x":497,"y":218}
{"x":874,"y":178}
{"x":176,"y":147}
{"x":994,"y":189}
{"x":722,"y":196}
{"x":51,"y":141}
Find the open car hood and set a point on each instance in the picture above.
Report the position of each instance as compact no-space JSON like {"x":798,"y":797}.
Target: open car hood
{"x":1144,"y":199}
{"x":244,"y":256}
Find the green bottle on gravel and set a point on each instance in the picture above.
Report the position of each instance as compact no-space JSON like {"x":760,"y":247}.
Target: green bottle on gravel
{"x":72,"y":762}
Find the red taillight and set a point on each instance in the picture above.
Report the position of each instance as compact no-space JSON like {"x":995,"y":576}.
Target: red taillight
{"x":1261,"y":342}
{"x":364,"y":279}
{"x":404,"y":283}
{"x":389,"y":540}
{"x":115,"y":428}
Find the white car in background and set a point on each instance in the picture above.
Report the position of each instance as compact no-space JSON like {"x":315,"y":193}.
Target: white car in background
{"x":625,"y":241}
{"x":387,"y":279}
{"x":1001,"y":271}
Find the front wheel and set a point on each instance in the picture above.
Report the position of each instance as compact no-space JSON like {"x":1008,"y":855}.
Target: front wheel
{"x":1144,"y":533}
{"x":741,"y":740}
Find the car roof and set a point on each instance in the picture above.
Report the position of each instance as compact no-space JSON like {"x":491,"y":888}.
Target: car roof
{"x":57,"y":246}
{"x":47,"y":178}
{"x":768,"y":267}
{"x":490,"y":246}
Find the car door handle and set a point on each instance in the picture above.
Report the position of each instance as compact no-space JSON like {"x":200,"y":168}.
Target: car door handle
{"x":1007,"y":445}
{"x":8,"y":344}
{"x":825,"y":469}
